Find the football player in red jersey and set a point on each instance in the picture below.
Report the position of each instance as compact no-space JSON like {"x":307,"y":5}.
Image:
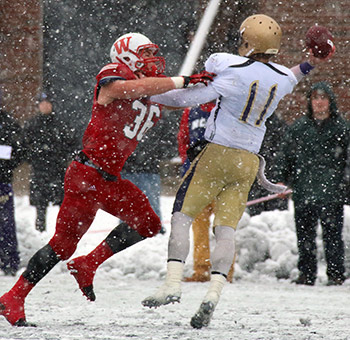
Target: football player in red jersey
{"x":122,"y":112}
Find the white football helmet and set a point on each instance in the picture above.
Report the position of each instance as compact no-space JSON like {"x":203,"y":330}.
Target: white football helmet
{"x":128,"y":49}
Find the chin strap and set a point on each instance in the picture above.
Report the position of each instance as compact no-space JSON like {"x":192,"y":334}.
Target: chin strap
{"x":264,"y":182}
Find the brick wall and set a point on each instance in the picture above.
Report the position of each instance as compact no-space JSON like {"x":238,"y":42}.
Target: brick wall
{"x":21,"y":52}
{"x":21,"y":55}
{"x":295,"y":18}
{"x":20,"y":66}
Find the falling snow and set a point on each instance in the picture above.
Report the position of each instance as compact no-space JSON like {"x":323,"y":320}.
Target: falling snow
{"x":257,"y":305}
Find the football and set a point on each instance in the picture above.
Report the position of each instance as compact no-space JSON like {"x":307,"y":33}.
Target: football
{"x":319,"y":40}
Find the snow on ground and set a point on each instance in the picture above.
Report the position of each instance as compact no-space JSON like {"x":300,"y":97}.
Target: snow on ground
{"x":261,"y":304}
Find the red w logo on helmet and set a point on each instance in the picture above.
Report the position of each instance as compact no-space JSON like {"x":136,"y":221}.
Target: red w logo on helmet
{"x":122,"y":44}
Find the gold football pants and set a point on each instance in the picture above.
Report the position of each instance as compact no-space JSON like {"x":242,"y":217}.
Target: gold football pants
{"x":219,"y":174}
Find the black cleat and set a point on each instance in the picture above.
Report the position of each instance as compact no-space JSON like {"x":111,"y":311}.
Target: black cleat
{"x":203,"y":316}
{"x":24,"y":323}
{"x":154,"y":302}
{"x":89,"y":292}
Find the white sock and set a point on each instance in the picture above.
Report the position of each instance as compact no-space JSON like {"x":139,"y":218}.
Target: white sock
{"x":174,"y":273}
{"x":217,"y":282}
{"x":179,"y":241}
{"x":224,"y":251}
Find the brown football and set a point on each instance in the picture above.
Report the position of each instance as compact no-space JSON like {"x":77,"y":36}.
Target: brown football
{"x":320,"y":40}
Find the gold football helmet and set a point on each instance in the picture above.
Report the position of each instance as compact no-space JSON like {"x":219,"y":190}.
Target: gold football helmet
{"x":259,"y":34}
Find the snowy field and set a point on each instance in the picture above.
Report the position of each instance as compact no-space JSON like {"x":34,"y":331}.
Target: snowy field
{"x":260,"y":304}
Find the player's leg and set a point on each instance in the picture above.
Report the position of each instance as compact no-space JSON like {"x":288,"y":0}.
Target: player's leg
{"x":74,"y":218}
{"x":222,"y":259}
{"x":197,"y":190}
{"x":178,"y":249}
{"x":12,"y":303}
{"x":129,"y":203}
{"x":240,"y":169}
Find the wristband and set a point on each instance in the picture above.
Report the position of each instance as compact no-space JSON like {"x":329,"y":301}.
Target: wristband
{"x":178,"y":81}
{"x":305,"y":68}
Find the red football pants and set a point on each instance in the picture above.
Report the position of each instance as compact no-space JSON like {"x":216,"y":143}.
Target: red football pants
{"x":85,"y":191}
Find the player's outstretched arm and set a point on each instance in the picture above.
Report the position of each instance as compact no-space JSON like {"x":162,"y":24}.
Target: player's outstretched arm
{"x":148,"y":86}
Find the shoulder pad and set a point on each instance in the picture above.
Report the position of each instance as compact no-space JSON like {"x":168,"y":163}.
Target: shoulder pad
{"x":219,"y":61}
{"x":282,"y":68}
{"x":117,"y":70}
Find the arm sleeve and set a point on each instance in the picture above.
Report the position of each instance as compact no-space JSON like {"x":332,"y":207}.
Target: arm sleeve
{"x":297,"y":73}
{"x":183,"y":135}
{"x":192,"y":96}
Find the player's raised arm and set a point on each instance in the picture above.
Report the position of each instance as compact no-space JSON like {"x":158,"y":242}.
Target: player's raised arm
{"x":320,"y":47}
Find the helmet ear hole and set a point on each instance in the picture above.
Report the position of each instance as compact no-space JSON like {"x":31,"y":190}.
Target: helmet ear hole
{"x":126,"y":59}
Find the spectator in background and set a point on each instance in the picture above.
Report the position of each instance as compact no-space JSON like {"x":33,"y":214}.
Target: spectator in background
{"x":312,"y":162}
{"x":11,"y":154}
{"x":143,"y":166}
{"x":275,"y":131}
{"x":190,"y":142}
{"x":47,"y":153}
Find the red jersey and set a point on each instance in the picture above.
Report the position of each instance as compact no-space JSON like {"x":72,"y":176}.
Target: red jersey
{"x":115,"y":129}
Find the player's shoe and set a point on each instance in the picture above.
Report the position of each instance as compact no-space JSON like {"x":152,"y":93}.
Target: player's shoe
{"x":12,"y":308}
{"x":166,"y":294}
{"x":83,"y":275}
{"x":204,"y":314}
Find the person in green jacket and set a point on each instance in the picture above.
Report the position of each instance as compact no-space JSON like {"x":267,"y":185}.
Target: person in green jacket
{"x":313,"y":162}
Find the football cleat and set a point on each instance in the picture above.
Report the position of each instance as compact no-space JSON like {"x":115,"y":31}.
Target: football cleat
{"x":166,"y":294}
{"x":83,"y":275}
{"x":12,"y":309}
{"x":203,"y":316}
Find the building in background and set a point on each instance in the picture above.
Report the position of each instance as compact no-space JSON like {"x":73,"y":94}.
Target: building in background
{"x":56,"y":45}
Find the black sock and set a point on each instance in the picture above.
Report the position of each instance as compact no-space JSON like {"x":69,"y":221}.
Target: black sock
{"x":40,"y":264}
{"x":122,"y":237}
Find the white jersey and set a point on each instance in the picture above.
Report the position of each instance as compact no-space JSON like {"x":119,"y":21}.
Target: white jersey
{"x":247,"y":93}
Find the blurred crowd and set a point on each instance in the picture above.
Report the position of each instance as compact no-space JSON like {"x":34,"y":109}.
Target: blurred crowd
{"x":45,"y":144}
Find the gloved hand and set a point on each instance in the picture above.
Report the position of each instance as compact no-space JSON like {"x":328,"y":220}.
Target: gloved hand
{"x":184,"y":81}
{"x":204,"y":77}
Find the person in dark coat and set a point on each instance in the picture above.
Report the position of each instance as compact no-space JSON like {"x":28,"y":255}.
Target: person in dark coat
{"x":275,"y":131}
{"x":47,"y":154}
{"x":11,"y":155}
{"x":313,"y":164}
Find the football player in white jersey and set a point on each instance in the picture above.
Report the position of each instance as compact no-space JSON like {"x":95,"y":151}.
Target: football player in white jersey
{"x":247,"y":89}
